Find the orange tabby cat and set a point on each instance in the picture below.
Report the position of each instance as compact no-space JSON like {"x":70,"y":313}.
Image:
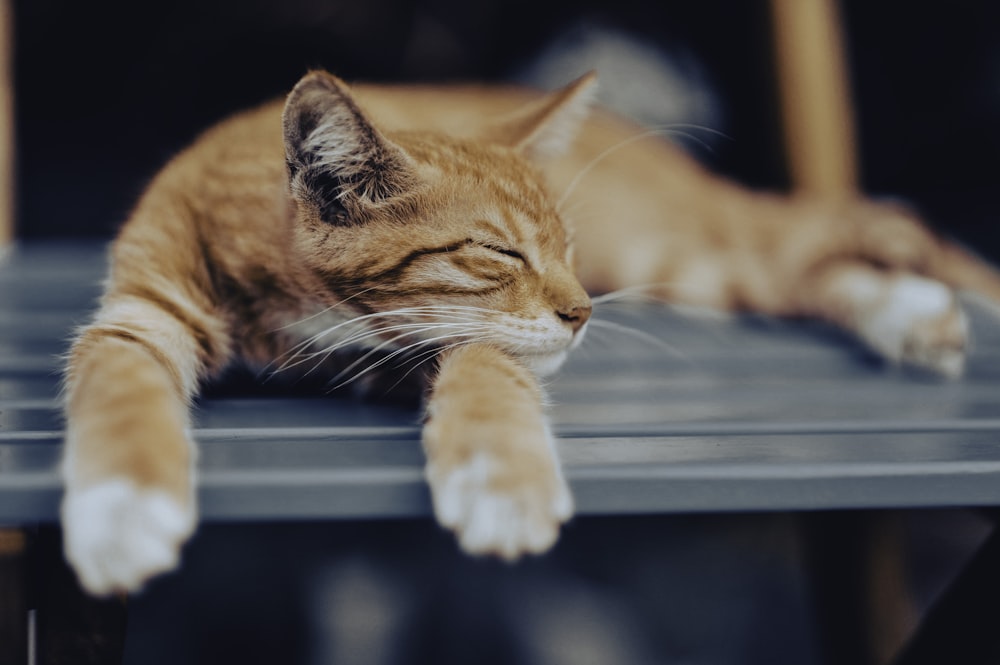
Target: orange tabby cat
{"x":347,"y":226}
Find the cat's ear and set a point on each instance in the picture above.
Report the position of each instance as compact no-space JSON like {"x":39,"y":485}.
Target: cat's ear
{"x":546,"y":127}
{"x":337,"y":160}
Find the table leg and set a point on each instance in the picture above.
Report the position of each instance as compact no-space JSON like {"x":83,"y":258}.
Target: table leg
{"x":73,"y":627}
{"x":13,"y":596}
{"x":855,"y":566}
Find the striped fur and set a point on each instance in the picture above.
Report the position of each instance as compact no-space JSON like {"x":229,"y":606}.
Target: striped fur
{"x":424,"y":233}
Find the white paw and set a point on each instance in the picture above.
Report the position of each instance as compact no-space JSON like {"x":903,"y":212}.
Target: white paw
{"x":116,"y":536}
{"x":919,"y":323}
{"x":493,"y":514}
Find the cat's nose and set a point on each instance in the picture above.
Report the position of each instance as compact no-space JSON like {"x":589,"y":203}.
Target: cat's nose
{"x":575,"y":316}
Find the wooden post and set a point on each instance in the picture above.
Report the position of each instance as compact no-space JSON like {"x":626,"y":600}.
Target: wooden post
{"x":815,"y":99}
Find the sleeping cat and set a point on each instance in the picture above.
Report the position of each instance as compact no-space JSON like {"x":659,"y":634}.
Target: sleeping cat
{"x":459,"y":230}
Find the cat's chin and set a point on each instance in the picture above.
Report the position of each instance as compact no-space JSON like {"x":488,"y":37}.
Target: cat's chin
{"x":545,"y":364}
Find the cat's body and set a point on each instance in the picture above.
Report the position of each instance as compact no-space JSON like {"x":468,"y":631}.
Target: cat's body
{"x":306,"y":235}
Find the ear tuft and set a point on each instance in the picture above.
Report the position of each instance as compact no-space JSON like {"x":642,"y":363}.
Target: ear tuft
{"x":335,"y":156}
{"x":546,"y":127}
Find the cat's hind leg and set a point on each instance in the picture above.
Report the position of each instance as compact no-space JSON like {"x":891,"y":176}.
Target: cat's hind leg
{"x":892,"y":282}
{"x":491,"y":461}
{"x":128,"y":463}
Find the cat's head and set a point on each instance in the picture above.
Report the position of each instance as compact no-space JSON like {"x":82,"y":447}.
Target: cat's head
{"x":437,"y":240}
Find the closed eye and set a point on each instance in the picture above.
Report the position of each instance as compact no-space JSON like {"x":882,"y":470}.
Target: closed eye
{"x":506,"y":251}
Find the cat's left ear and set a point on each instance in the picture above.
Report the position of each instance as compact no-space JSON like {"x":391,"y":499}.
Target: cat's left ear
{"x":546,"y":127}
{"x":338,"y":161}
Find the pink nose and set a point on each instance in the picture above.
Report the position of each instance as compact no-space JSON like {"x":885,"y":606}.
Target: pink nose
{"x":576,"y":317}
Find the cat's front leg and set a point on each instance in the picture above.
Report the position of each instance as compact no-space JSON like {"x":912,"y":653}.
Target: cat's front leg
{"x":491,"y":461}
{"x":128,"y":464}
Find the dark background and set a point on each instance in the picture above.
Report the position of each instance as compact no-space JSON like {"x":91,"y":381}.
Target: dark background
{"x":106,"y":92}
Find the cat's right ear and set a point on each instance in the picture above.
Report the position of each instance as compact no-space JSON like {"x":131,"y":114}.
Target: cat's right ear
{"x":338,"y":162}
{"x":546,"y":127}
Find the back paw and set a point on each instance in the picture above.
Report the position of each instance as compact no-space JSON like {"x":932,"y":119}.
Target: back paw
{"x":920,"y":323}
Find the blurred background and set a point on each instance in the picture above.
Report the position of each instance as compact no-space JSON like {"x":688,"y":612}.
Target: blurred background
{"x":106,"y":92}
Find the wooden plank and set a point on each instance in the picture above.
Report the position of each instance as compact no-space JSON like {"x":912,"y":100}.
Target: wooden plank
{"x":815,"y":97}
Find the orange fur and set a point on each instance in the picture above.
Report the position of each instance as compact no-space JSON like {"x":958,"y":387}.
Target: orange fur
{"x":348,"y":226}
{"x":491,"y":459}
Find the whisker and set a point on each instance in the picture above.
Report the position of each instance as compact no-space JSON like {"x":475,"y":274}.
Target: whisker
{"x":700,"y":128}
{"x":688,"y":310}
{"x":654,"y":131}
{"x":674,"y":130}
{"x":429,"y":310}
{"x":427,"y":357}
{"x":388,"y":358}
{"x":594,"y":332}
{"x":323,"y":311}
{"x":482,"y":338}
{"x":595,"y":161}
{"x":323,"y":354}
{"x":410,"y":329}
{"x":411,"y":333}
{"x":638,"y":334}
{"x":636,"y":291}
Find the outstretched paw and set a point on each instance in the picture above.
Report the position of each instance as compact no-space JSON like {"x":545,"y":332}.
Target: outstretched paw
{"x":117,"y":536}
{"x":496,"y":507}
{"x":920,"y":323}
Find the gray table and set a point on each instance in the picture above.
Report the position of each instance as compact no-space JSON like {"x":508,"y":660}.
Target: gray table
{"x":679,"y":413}
{"x":720,"y":415}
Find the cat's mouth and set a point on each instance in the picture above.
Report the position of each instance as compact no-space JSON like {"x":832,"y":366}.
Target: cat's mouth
{"x":545,"y":364}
